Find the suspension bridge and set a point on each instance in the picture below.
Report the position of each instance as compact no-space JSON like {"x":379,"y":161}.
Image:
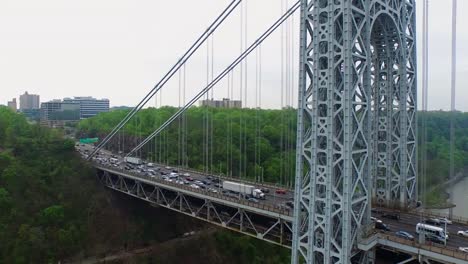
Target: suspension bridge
{"x":355,"y":146}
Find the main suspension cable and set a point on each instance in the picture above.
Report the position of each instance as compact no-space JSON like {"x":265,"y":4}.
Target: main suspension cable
{"x":212,"y":28}
{"x":257,"y":42}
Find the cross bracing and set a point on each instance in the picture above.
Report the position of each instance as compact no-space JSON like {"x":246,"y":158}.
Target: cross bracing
{"x":357,"y":106}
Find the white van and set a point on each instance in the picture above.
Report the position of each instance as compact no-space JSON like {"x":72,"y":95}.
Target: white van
{"x":433,"y":230}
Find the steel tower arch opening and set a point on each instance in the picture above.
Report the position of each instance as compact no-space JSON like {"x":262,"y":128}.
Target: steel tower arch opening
{"x":356,"y":123}
{"x":386,"y":75}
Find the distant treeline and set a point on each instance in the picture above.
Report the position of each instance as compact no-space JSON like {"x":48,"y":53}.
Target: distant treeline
{"x":270,"y":135}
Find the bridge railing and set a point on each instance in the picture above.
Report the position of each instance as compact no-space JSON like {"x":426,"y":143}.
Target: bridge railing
{"x":433,"y":247}
{"x":262,"y":206}
{"x":457,"y":219}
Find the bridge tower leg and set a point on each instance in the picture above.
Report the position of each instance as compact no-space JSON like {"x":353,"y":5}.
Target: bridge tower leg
{"x":342,"y":42}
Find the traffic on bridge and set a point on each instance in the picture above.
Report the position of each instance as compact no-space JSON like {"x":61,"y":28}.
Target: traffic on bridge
{"x":278,"y":199}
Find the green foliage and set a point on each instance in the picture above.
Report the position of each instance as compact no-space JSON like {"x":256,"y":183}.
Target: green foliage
{"x":245,"y":249}
{"x":42,"y":211}
{"x":438,"y":147}
{"x":274,"y":143}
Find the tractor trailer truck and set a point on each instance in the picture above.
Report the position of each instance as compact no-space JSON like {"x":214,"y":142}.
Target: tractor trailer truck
{"x":244,"y":189}
{"x":133,"y":160}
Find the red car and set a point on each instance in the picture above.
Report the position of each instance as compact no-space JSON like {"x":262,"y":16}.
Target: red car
{"x":281,"y":191}
{"x":189,"y":179}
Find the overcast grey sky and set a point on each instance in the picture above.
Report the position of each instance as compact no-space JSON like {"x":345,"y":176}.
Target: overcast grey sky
{"x":118,"y":49}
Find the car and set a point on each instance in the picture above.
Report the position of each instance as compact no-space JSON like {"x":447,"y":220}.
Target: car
{"x":381,"y":226}
{"x":213,"y":190}
{"x":217,"y":185}
{"x":463,"y":233}
{"x":375,"y":219}
{"x":168,"y":168}
{"x":435,"y":239}
{"x":393,"y":216}
{"x":290,"y":204}
{"x":206,"y":182}
{"x":251,"y":199}
{"x":175,"y":170}
{"x":265,"y":190}
{"x":197,"y":182}
{"x":463,"y":249}
{"x":445,"y":220}
{"x":189,"y":179}
{"x":432,"y":221}
{"x":216,"y":180}
{"x":194,"y":186}
{"x":280,"y":191}
{"x":404,"y":235}
{"x":186,"y":174}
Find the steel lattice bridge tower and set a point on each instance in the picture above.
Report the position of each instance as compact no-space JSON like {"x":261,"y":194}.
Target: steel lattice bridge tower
{"x":356,"y":140}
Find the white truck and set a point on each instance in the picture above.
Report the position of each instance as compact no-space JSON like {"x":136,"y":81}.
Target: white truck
{"x":244,"y":189}
{"x":133,"y":160}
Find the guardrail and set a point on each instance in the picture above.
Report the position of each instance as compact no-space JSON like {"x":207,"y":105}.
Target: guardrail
{"x":456,"y":219}
{"x":425,"y":214}
{"x":447,"y":251}
{"x":266,"y":207}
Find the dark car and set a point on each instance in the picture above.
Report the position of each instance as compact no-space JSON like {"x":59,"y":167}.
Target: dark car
{"x":435,"y":239}
{"x":381,"y":226}
{"x":265,"y":190}
{"x":189,"y":179}
{"x":207,"y":182}
{"x":404,"y":235}
{"x":216,"y":180}
{"x":281,"y":191}
{"x":290,"y":204}
{"x":393,"y":216}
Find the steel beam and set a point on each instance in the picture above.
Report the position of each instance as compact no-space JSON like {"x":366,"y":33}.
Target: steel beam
{"x":357,"y":75}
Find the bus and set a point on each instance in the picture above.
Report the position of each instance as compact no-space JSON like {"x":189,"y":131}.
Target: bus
{"x":431,"y":230}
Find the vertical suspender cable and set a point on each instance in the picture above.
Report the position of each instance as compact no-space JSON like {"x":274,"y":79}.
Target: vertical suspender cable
{"x":282,"y":99}
{"x":245,"y":87}
{"x":212,"y":109}
{"x":452,"y":100}
{"x":185,"y":123}
{"x":179,"y":129}
{"x":241,"y":87}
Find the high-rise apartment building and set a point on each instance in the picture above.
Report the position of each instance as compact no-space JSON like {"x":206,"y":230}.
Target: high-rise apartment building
{"x":12,"y":104}
{"x":89,"y":106}
{"x":29,"y":101}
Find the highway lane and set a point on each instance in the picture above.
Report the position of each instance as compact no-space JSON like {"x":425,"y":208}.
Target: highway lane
{"x":406,"y":223}
{"x":271,"y":198}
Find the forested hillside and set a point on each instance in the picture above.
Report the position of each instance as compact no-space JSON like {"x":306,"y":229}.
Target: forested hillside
{"x":270,"y":135}
{"x":52,"y":208}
